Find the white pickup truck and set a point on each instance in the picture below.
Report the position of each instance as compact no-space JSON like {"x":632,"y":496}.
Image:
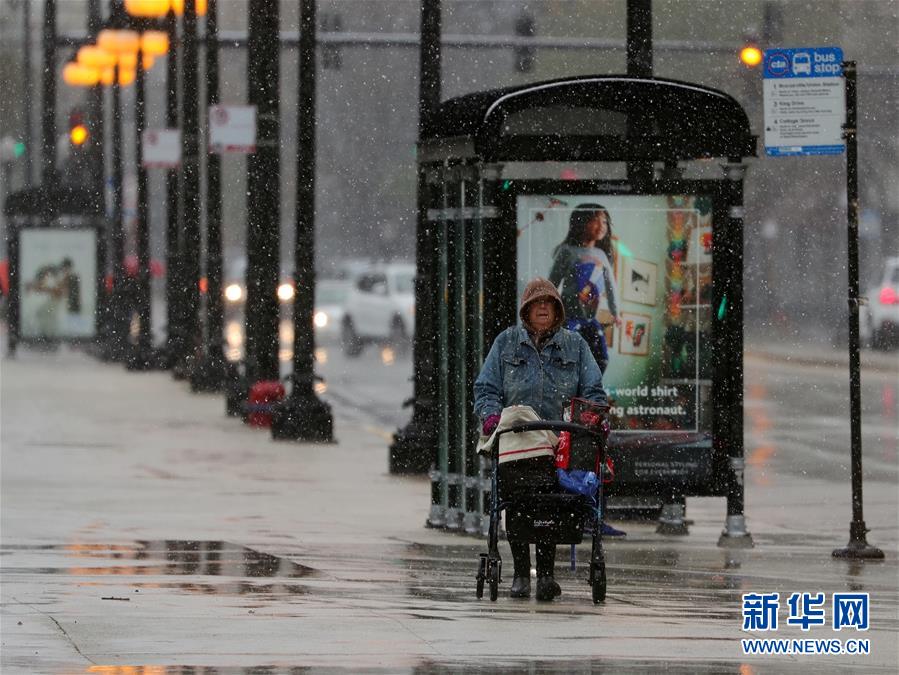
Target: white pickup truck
{"x":380,"y":308}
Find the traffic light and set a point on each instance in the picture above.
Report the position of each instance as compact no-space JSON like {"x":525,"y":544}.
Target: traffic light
{"x":525,"y":55}
{"x":79,"y":134}
{"x":750,"y":52}
{"x":331,"y":22}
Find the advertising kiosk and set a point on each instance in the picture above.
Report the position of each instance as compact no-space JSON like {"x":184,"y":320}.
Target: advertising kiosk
{"x":55,"y":247}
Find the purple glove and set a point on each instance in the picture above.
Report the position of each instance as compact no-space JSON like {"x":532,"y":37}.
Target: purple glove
{"x":490,"y":424}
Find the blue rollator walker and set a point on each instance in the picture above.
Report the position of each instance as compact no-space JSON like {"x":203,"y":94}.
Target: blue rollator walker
{"x":559,"y":518}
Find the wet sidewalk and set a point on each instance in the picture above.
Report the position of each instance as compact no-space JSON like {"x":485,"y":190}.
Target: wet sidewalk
{"x":142,"y":528}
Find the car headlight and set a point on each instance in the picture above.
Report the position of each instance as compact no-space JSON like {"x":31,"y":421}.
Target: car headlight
{"x":285,"y":292}
{"x":320,"y":319}
{"x":233,"y":293}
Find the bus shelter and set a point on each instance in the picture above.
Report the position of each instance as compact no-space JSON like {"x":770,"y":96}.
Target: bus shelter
{"x":56,"y":248}
{"x":506,"y":171}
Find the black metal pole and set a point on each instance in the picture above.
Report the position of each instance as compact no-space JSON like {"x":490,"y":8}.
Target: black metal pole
{"x":264,"y":193}
{"x":639,"y":64}
{"x":174,"y":348}
{"x":28,"y":97}
{"x":141,"y":357}
{"x":414,"y":446}
{"x":209,"y":375}
{"x":48,"y":113}
{"x":189,"y":187}
{"x":97,"y":167}
{"x":117,"y":338}
{"x":858,"y":546}
{"x":303,"y":416}
{"x":727,"y":319}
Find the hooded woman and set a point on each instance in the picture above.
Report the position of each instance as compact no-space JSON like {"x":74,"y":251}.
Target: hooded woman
{"x":542,"y":365}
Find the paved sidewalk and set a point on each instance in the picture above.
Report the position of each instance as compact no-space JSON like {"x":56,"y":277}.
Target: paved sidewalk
{"x":142,"y":527}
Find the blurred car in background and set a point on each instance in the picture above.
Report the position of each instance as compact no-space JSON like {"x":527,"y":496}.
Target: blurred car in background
{"x":234,"y":283}
{"x":879,"y":318}
{"x":380,"y":308}
{"x":330,"y":296}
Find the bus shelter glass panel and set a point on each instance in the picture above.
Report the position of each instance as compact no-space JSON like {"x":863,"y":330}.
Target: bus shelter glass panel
{"x":642,"y":297}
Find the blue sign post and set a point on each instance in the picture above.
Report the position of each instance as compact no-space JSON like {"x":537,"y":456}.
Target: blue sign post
{"x":804,"y":101}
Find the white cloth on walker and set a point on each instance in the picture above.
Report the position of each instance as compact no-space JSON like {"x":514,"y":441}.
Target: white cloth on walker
{"x":522,"y":445}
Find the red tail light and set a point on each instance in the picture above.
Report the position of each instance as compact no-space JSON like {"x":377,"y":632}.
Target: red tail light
{"x":888,"y":296}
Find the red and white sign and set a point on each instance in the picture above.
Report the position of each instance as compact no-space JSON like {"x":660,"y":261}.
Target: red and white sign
{"x":232,"y":128}
{"x":162,"y":148}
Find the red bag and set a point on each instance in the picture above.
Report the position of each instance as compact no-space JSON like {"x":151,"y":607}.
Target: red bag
{"x":260,"y":401}
{"x":588,"y":414}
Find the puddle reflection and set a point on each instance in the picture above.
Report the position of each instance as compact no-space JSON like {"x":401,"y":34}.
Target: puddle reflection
{"x":181,"y":558}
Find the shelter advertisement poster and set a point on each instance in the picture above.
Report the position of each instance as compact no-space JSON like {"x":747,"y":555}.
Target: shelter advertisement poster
{"x":57,"y":283}
{"x":645,"y":293}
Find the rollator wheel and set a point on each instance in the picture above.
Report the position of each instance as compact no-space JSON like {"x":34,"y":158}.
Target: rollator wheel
{"x":494,"y":579}
{"x":482,"y":573}
{"x":599,"y":583}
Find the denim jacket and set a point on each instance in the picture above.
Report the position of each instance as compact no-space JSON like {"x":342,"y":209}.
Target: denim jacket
{"x":515,"y":373}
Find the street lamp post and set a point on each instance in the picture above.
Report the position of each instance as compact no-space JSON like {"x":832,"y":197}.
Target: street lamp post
{"x":141,"y":357}
{"x":174,"y":338}
{"x":48,"y":119}
{"x":303,"y":416}
{"x":412,"y":447}
{"x":263,"y":194}
{"x":116,"y":43}
{"x":209,"y":374}
{"x":189,"y":198}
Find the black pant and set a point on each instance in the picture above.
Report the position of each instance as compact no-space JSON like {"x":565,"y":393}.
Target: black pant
{"x":518,"y":480}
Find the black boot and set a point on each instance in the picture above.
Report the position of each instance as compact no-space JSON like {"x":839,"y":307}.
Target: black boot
{"x":521,"y":587}
{"x":547,"y":588}
{"x":521,"y":557}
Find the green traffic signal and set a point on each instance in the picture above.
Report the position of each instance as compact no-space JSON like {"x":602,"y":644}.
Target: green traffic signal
{"x":19,"y":149}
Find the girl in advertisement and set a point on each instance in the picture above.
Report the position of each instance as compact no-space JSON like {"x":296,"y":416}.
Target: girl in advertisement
{"x":583,"y":270}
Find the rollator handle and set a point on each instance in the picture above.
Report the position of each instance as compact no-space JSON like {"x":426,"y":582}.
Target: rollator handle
{"x":551,"y":425}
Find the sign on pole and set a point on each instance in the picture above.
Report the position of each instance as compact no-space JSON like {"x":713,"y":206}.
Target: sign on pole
{"x":804,"y":101}
{"x":162,"y":148}
{"x":232,"y":128}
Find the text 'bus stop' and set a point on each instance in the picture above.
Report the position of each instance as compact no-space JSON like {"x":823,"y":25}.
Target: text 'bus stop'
{"x":506,"y":171}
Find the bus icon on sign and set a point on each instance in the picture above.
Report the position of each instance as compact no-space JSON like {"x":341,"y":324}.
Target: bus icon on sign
{"x":802,"y":64}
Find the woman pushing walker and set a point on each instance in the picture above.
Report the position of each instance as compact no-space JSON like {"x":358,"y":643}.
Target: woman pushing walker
{"x":542,"y":365}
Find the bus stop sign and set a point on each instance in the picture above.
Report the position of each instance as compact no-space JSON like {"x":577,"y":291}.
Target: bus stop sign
{"x":804,"y":101}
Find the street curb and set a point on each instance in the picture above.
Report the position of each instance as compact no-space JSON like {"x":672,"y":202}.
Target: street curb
{"x":869,"y":361}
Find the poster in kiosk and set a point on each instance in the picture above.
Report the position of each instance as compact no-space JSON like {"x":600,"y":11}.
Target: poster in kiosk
{"x":642,"y":297}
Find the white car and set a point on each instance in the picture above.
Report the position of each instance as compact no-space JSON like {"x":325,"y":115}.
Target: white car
{"x":879,"y":318}
{"x":330,"y":296}
{"x":234,"y":286}
{"x":380,"y":307}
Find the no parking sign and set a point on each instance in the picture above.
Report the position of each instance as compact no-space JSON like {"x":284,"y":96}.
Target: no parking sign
{"x":232,"y":128}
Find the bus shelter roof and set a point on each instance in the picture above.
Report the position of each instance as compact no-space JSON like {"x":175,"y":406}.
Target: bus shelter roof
{"x":607,"y":118}
{"x":53,"y":200}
